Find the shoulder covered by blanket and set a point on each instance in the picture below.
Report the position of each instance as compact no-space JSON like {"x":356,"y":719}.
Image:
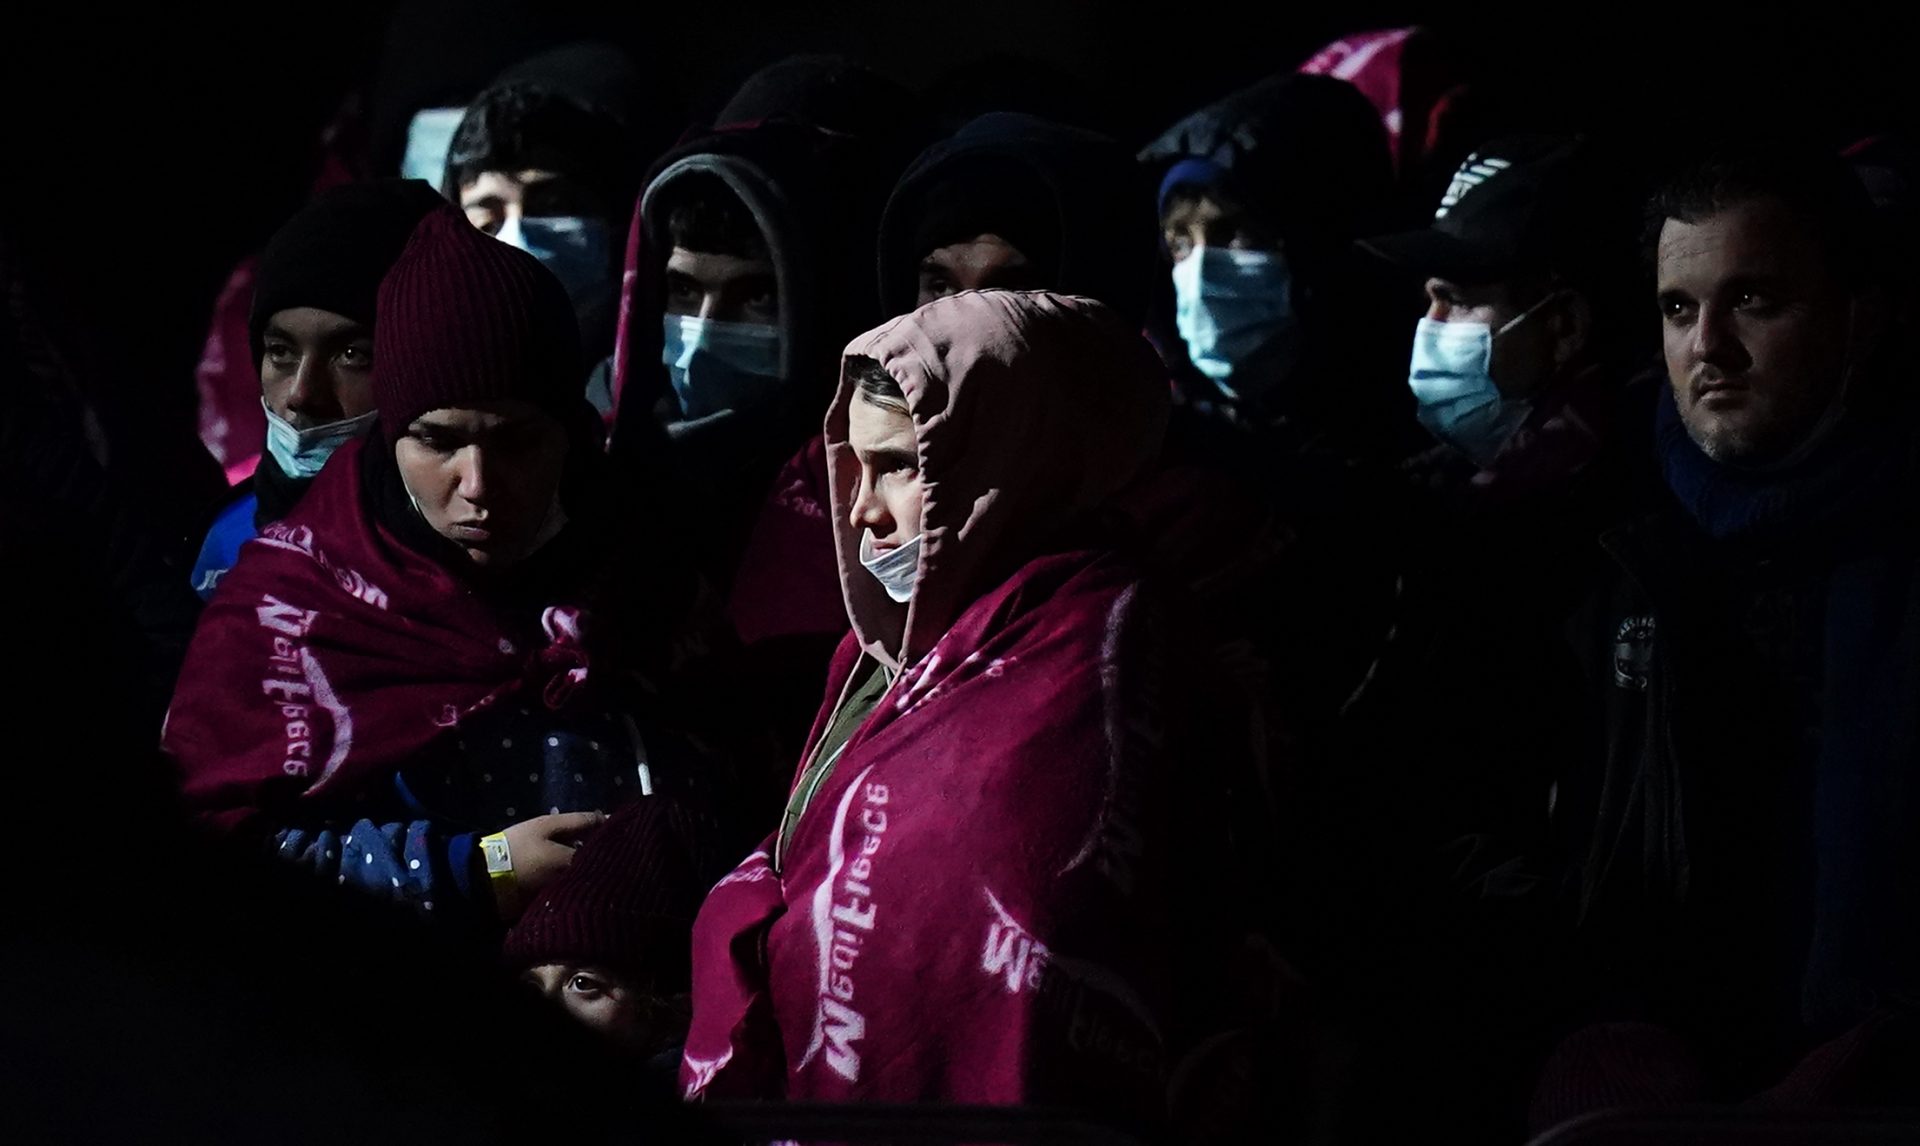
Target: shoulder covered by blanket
{"x":333,"y":652}
{"x":981,"y":904}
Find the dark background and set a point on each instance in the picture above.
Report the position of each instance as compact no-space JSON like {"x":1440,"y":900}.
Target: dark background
{"x":147,"y":152}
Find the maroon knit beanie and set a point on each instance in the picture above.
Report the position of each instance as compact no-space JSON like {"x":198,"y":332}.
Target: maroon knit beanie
{"x":627,"y":900}
{"x":464,"y":318}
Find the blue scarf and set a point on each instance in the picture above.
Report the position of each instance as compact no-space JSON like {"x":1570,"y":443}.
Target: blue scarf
{"x":1731,"y":503}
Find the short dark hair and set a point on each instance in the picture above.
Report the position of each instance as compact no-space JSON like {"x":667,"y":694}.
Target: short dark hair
{"x":1184,"y":198}
{"x":1819,"y":188}
{"x":704,"y":214}
{"x":516,"y":127}
{"x":876,"y":385}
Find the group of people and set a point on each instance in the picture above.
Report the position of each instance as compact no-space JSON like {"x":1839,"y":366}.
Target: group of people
{"x":860,"y":609}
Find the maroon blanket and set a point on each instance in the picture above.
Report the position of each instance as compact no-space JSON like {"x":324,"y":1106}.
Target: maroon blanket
{"x":788,"y":583}
{"x":975,"y":910}
{"x":976,"y":905}
{"x":333,"y":652}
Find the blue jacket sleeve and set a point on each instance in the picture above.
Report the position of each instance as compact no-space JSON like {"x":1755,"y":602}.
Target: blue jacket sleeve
{"x":410,"y":862}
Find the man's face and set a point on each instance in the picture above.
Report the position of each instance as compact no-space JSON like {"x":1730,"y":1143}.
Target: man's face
{"x":887,"y":502}
{"x":1214,"y":220}
{"x":316,"y":367}
{"x":984,"y":262}
{"x":724,"y":288}
{"x":597,"y":998}
{"x":1756,"y":330}
{"x":1524,"y":355}
{"x":498,"y":196}
{"x":486,"y":478}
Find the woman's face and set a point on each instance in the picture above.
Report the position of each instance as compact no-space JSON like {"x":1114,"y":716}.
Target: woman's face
{"x":486,"y":478}
{"x":888,"y":500}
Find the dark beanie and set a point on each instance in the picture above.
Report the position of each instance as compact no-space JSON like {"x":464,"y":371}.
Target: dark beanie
{"x":463,"y":319}
{"x":627,"y":900}
{"x":333,"y":253}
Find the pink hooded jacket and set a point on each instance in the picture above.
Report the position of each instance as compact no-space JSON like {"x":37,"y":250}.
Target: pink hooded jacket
{"x":983,"y":902}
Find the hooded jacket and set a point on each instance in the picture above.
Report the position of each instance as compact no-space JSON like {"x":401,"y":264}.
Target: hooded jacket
{"x":1308,"y":154}
{"x":1071,"y":200}
{"x":1318,"y":446}
{"x":816,"y":197}
{"x":1306,"y":151}
{"x":995,"y":835}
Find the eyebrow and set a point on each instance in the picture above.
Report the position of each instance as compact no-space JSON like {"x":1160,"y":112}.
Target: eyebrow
{"x":552,"y":183}
{"x":1776,"y":284}
{"x":750,"y":285}
{"x":1016,"y":275}
{"x":344,"y":335}
{"x":515,"y":422}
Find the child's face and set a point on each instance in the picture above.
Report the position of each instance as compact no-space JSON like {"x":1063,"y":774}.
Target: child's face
{"x":595,"y":996}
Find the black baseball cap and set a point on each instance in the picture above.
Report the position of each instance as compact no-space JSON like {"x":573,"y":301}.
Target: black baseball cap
{"x":1519,"y":204}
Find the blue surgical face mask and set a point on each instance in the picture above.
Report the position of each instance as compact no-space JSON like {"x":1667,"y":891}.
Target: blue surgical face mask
{"x":429,"y":137}
{"x":573,"y":247}
{"x":1231,"y":305}
{"x":717,"y":366}
{"x":1452,"y":381}
{"x":301,"y":453}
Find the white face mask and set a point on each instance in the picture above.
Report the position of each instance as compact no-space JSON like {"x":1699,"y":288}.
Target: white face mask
{"x":1452,"y":380}
{"x":429,"y":137}
{"x":1231,"y":306}
{"x":301,"y":453}
{"x":573,"y":247}
{"x":717,"y":366}
{"x":897,"y":569}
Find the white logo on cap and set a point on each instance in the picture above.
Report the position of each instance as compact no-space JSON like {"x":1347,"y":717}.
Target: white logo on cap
{"x":1472,"y":173}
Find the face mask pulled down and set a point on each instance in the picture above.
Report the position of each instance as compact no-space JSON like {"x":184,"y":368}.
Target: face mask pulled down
{"x":1452,"y":382}
{"x":897,"y":569}
{"x":1231,"y":306}
{"x":715,"y":366}
{"x":301,"y":453}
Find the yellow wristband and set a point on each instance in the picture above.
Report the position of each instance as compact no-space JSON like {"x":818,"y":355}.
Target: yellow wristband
{"x":499,"y":859}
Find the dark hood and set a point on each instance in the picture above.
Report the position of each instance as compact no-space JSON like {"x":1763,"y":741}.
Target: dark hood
{"x":817,"y":197}
{"x":1072,"y":200}
{"x":1308,"y":151}
{"x":831,"y":93}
